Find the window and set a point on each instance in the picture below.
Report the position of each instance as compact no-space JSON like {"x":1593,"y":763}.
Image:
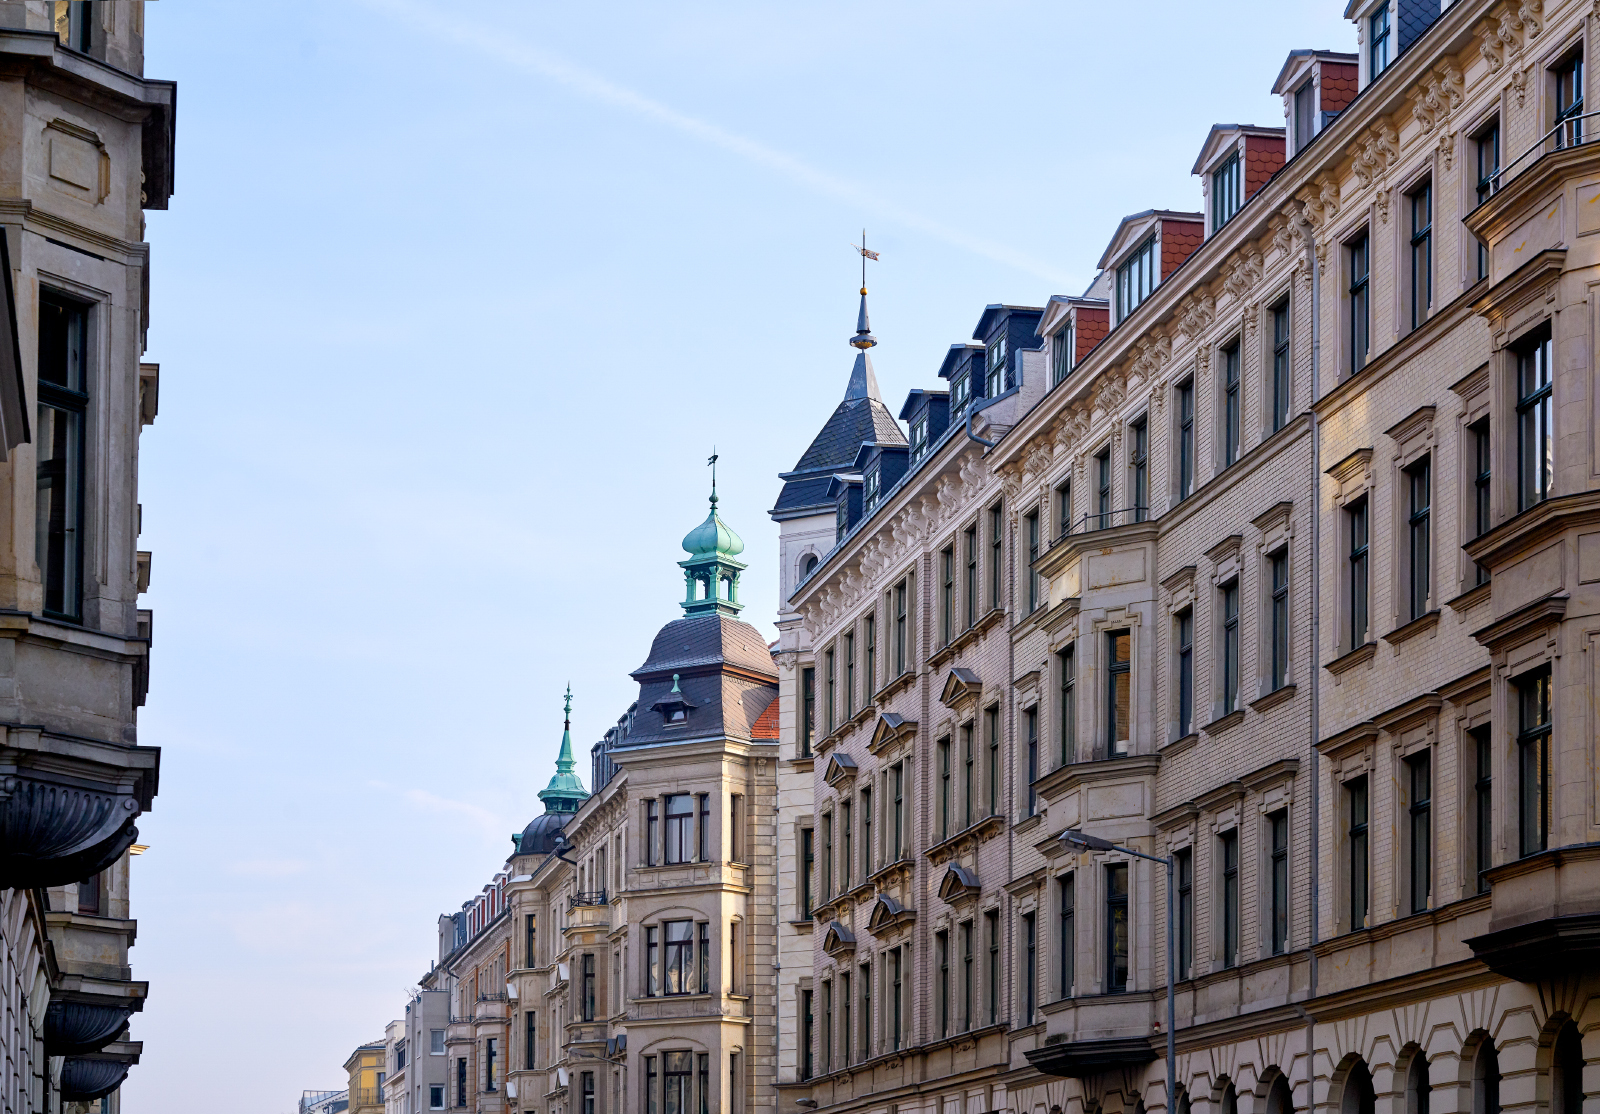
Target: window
{"x":1185,"y":439}
{"x":702,"y":831}
{"x":846,"y":863}
{"x":1139,"y":467}
{"x":944,"y":787}
{"x":1230,"y":404}
{"x":1102,"y":464}
{"x":991,"y":730}
{"x":1486,"y":1079}
{"x":1064,"y":508}
{"x":894,"y":992}
{"x":1478,"y":433}
{"x":1533,"y":761}
{"x":1356,"y":524}
{"x":490,"y":1064}
{"x":1185,"y":872}
{"x":1357,"y":259}
{"x":1305,"y":109}
{"x":966,"y":974}
{"x":1419,"y":778}
{"x":588,"y":1092}
{"x":63,"y":404}
{"x":866,"y":832}
{"x":841,"y":521}
{"x":652,"y":961}
{"x":89,"y":896}
{"x":805,"y":1033}
{"x":1066,"y":940}
{"x":675,"y":1077}
{"x":736,"y":828}
{"x":1230,"y":898}
{"x":586,"y":987}
{"x":869,"y":627}
{"x":968,"y":800}
{"x":897,"y":787}
{"x":827,"y":679}
{"x":1061,"y":353}
{"x":461,"y":1081}
{"x":1069,"y":706}
{"x":1278,"y":564}
{"x":919,"y":436}
{"x":827,"y":1030}
{"x":869,"y":488}
{"x":960,"y":393}
{"x":808,"y":710}
{"x":1421,"y":253}
{"x":436,"y":1041}
{"x":1418,"y":485}
{"x":1185,"y":641}
{"x":680,"y":957}
{"x":1569,"y":102}
{"x":991,"y":933}
{"x":849,"y":676}
{"x":941,"y":986}
{"x":1487,"y":146}
{"x":970,"y":549}
{"x":1227,"y":189}
{"x":901,"y":632}
{"x":947,"y":594}
{"x":1030,"y":968}
{"x":652,"y":824}
{"x":1535,"y":445}
{"x":1031,"y":529}
{"x":530,"y":1038}
{"x":1482,"y":805}
{"x":734,"y":957}
{"x":650,"y":1085}
{"x":1355,"y":793}
{"x":827,"y":855}
{"x":1566,"y":1072}
{"x":435,"y":1097}
{"x":680,"y":824}
{"x":1030,"y":721}
{"x":1116,"y":927}
{"x":866,"y":1011}
{"x":1136,"y":278}
{"x":1378,"y":40}
{"x":77,"y":29}
{"x":808,"y":860}
{"x":1230,"y":646}
{"x":1280,"y":365}
{"x":809,"y":566}
{"x":995,"y":536}
{"x":1119,"y":692}
{"x":995,"y":367}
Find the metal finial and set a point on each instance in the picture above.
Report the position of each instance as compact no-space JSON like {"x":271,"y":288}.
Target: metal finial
{"x":567,"y":715}
{"x":675,"y":684}
{"x":863,"y":339}
{"x":713,"y":463}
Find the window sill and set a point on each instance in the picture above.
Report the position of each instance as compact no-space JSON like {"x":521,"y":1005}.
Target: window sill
{"x":1279,"y":695}
{"x":1179,"y":745}
{"x":1028,"y":823}
{"x":1472,"y":597}
{"x":904,"y":680}
{"x":1424,"y":624}
{"x":1223,"y":723}
{"x":976,"y":832}
{"x":1361,"y":655}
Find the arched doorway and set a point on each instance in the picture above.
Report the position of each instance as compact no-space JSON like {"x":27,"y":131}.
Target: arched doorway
{"x":1358,"y":1097}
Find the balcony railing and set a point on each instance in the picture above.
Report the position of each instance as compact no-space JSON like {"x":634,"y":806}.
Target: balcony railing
{"x":1104,"y":520}
{"x":1567,"y":133}
{"x":589,"y":897}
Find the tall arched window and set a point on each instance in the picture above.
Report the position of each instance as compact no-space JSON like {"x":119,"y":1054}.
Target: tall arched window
{"x":1566,"y":1072}
{"x":1417,"y":1087}
{"x":808,"y":565}
{"x":1230,"y":1099}
{"x":1280,"y":1099}
{"x":1358,"y":1096}
{"x":1486,"y":1079}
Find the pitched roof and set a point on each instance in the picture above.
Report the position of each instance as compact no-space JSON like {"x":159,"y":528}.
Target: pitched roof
{"x":855,"y":421}
{"x":766,"y":724}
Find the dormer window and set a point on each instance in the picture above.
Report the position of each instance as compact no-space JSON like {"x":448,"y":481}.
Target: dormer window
{"x":842,"y":522}
{"x":674,"y":707}
{"x":1061,"y":344}
{"x":870,"y":491}
{"x":1227,"y":188}
{"x":1305,"y":108}
{"x":1136,"y":278}
{"x":960,"y":392}
{"x":996,"y":361}
{"x":919,"y":436}
{"x":1378,"y":42}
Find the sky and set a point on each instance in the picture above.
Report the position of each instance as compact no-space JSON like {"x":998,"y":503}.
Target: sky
{"x":452,"y":303}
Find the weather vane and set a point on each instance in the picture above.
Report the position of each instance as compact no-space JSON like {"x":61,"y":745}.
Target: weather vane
{"x":713,"y":463}
{"x":865,"y":255}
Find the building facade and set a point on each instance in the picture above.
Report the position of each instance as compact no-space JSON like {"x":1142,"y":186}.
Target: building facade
{"x":1274,"y":556}
{"x":88,"y":149}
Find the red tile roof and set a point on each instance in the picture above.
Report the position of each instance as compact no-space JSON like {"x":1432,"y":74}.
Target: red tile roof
{"x":766,"y":724}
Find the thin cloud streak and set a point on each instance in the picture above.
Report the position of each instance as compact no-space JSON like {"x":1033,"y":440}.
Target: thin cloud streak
{"x":597,"y":88}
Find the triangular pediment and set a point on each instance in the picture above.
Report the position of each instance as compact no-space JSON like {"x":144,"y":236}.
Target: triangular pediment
{"x":958,"y":884}
{"x":838,"y":940}
{"x":891,"y":726}
{"x":887,"y":914}
{"x":841,"y":767}
{"x":961,"y":684}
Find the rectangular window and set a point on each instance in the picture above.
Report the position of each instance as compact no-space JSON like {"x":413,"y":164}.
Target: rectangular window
{"x":1483,"y":805}
{"x":1420,"y":777}
{"x":63,"y":406}
{"x":944,"y":787}
{"x":703,"y":1065}
{"x":970,"y":550}
{"x":1378,"y":42}
{"x":870,"y":677}
{"x":1185,"y":872}
{"x":1116,"y":927}
{"x":530,"y":1038}
{"x":1069,"y":706}
{"x":1227,"y":189}
{"x":991,"y":731}
{"x":436,"y":1042}
{"x":960,"y":393}
{"x":704,"y":931}
{"x":991,"y":933}
{"x":1185,"y":641}
{"x":919,"y":436}
{"x":1230,"y":898}
{"x":89,"y":896}
{"x":866,"y":1011}
{"x":827,"y":855}
{"x":846,"y":1009}
{"x":1279,"y":569}
{"x":827,"y":1030}
{"x":1278,"y":827}
{"x":652,"y":824}
{"x":1119,"y":692}
{"x":461,"y":1081}
{"x":1061,"y":353}
{"x":870,"y":487}
{"x":1280,"y":365}
{"x":1030,"y":724}
{"x":680,"y":973}
{"x":902,"y":634}
{"x":1230,"y":646}
{"x":1569,"y":102}
{"x":995,"y":536}
{"x":947,"y":595}
{"x":1421,"y":253}
{"x":435,"y":1097}
{"x":1139,"y":469}
{"x":897,"y":787}
{"x":895,"y":999}
{"x":675,"y":1079}
{"x":995,"y":366}
{"x":1533,"y":761}
{"x":1419,"y":483}
{"x":806,"y":1036}
{"x":846,"y":835}
{"x":1535,"y":445}
{"x":968,"y":795}
{"x":1030,"y":968}
{"x":652,"y":961}
{"x":1230,"y":404}
{"x":650,"y":1084}
{"x":1356,"y":524}
{"x":680,"y":826}
{"x":849,"y":676}
{"x":1488,"y":153}
{"x":1357,"y":259}
{"x":588,"y":1092}
{"x":808,"y":859}
{"x":1031,"y":529}
{"x":736,"y":828}
{"x":1305,"y":115}
{"x":1064,"y":508}
{"x":866,"y":832}
{"x":828,"y":702}
{"x":1481,"y":475}
{"x":1136,"y":278}
{"x":1185,"y":439}
{"x":586,"y":987}
{"x":1102,"y":463}
{"x":1066,"y":942}
{"x":808,"y":710}
{"x":966,"y":975}
{"x":490,"y":1066}
{"x":1358,"y":868}
{"x":941,"y":986}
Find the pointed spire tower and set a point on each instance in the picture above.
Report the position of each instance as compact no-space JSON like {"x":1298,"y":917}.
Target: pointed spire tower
{"x":863,"y":384}
{"x":565,"y":793}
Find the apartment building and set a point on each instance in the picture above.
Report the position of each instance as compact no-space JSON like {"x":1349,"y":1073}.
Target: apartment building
{"x":89,"y":149}
{"x":1271,"y":557}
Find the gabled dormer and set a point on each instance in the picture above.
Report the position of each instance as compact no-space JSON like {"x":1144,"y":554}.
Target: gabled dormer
{"x":1005,"y":332}
{"x":1236,"y":161}
{"x":1386,"y":29}
{"x":881,"y":467}
{"x":1315,"y":86}
{"x":963,"y":368}
{"x":1146,"y":248}
{"x":1072,"y":327}
{"x":927,"y":416}
{"x":844,"y":492}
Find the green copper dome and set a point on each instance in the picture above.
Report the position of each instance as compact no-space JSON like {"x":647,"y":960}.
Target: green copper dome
{"x":713,"y":537}
{"x":710,"y":574}
{"x":565,"y":793}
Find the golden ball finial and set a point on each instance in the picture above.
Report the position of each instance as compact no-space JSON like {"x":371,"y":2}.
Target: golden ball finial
{"x":863,"y":291}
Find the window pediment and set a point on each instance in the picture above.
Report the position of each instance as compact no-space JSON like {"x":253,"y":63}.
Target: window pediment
{"x":961,"y":684}
{"x":959,"y":884}
{"x":891,"y":727}
{"x":841,"y":767}
{"x":838,"y":940}
{"x":887,"y":915}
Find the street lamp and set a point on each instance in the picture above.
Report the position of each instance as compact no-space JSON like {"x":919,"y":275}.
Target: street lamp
{"x":1077,"y":842}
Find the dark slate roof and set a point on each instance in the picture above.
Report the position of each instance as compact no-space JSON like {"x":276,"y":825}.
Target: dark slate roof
{"x":538,"y":838}
{"x":702,"y":642}
{"x":810,"y":492}
{"x":702,"y":651}
{"x":853,"y":422}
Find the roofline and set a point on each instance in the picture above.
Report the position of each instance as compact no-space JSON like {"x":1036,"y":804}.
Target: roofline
{"x":1314,"y":55}
{"x":1242,"y":129}
{"x":1160,"y":214}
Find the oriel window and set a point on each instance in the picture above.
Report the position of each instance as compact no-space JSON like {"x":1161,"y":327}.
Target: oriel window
{"x":1119,"y":692}
{"x":1535,"y":444}
{"x":1533,"y":760}
{"x":1116,"y":927}
{"x":63,"y":406}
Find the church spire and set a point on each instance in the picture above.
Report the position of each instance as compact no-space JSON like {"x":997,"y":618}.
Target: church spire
{"x":565,"y":793}
{"x":863,"y":383}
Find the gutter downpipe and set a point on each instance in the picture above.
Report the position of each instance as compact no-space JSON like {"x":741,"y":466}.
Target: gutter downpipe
{"x":973,"y":409}
{"x":1313,"y":657}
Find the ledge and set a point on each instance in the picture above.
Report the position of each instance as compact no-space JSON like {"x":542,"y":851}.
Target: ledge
{"x":1179,"y":745}
{"x":1223,"y":723}
{"x":1471,"y":598}
{"x":1361,"y":655}
{"x":904,"y":680}
{"x":1425,"y":623}
{"x":1068,"y":777}
{"x":1522,"y":623}
{"x":977,"y":831}
{"x":1279,"y":695}
{"x":1081,"y":1058}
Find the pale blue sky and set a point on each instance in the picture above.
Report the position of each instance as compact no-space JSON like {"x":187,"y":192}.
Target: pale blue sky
{"x":452,"y":302}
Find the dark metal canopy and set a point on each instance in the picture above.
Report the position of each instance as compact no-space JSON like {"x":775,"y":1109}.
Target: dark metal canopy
{"x":1077,"y":1059}
{"x":56,"y":830}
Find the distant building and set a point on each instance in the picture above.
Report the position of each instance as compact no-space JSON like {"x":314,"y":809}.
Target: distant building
{"x":368,"y":1067}
{"x":324,"y":1102}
